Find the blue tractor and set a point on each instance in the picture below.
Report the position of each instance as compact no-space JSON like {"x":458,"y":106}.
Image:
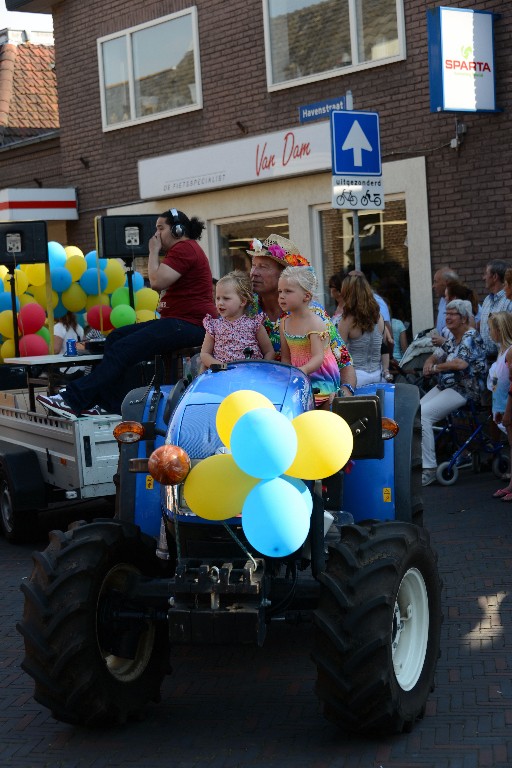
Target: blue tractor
{"x":107,"y":601}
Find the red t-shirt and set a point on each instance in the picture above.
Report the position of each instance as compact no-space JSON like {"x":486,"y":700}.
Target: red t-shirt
{"x":190,"y":298}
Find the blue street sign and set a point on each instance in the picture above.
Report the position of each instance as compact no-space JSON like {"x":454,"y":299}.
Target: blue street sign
{"x":355,"y":143}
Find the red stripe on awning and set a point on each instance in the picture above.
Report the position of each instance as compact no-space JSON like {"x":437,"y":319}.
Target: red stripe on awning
{"x":12,"y":205}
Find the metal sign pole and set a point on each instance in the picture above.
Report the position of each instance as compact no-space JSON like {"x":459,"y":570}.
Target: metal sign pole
{"x":357,"y":244}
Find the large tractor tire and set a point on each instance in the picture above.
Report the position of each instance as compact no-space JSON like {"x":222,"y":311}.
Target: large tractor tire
{"x":17,"y":525}
{"x":91,"y":664}
{"x":377,"y":628}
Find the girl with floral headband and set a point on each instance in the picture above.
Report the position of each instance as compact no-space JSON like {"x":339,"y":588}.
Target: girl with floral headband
{"x":304,"y":336}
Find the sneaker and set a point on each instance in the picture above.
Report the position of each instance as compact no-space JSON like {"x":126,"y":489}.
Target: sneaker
{"x":428,"y":476}
{"x":57,"y":405}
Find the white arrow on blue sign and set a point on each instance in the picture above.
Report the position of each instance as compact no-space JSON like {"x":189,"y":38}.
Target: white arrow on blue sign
{"x":355,"y":143}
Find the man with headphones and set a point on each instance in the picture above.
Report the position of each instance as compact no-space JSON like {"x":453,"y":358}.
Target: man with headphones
{"x":184,"y":280}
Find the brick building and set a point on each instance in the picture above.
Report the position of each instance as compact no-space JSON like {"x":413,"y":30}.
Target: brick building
{"x":197,"y":106}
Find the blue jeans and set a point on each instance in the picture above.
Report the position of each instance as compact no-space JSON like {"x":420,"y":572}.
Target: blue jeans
{"x":125,"y":347}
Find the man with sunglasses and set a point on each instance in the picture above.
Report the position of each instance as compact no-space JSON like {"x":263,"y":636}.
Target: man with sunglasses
{"x":184,"y":280}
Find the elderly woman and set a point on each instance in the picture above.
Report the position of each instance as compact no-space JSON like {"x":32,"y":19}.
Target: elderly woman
{"x":460,"y":367}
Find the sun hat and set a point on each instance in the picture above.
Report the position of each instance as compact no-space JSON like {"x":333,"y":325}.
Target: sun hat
{"x":280,"y":249}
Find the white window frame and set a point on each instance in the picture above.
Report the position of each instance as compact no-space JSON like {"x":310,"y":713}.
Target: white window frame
{"x":354,"y":67}
{"x":127,"y":35}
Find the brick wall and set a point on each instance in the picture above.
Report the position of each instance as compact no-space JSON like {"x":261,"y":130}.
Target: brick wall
{"x":469,"y":190}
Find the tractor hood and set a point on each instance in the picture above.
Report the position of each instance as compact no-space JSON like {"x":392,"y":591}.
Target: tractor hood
{"x":193,"y":422}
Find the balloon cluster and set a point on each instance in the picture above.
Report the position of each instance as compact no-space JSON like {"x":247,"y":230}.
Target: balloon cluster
{"x":262,"y":476}
{"x":79,"y":284}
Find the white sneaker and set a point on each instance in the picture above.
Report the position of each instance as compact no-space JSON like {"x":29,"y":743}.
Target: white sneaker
{"x":428,"y":476}
{"x":56,"y":404}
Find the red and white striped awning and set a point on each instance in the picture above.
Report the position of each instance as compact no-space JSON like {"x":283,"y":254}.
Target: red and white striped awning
{"x":38,"y":204}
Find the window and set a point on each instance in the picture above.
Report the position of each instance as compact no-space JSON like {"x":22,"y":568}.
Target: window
{"x":308,"y":40}
{"x":150,"y":71}
{"x":235,"y":237}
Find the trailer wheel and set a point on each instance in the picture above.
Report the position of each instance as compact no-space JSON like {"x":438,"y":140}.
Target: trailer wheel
{"x":18,"y":526}
{"x":377,"y":628}
{"x":93,"y":658}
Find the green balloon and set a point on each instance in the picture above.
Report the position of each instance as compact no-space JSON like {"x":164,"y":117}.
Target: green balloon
{"x":44,"y":333}
{"x":120,"y":296}
{"x":122,"y":315}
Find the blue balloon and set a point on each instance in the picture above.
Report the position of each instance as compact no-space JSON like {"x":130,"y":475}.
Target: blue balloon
{"x":61,"y":279}
{"x":60,"y":310}
{"x":93,"y":261}
{"x":304,"y":491}
{"x":263,"y":443}
{"x":90,"y":281}
{"x":137,"y":281}
{"x":6,"y":301}
{"x":275,"y":519}
{"x":1,"y":286}
{"x":56,"y":255}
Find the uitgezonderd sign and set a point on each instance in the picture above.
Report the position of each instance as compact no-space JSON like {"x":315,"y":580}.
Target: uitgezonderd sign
{"x":461,"y":60}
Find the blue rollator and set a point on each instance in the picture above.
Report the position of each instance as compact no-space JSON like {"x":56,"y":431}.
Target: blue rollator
{"x":467,"y":431}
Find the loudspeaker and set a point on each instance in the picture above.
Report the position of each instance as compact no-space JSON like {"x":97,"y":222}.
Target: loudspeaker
{"x":23,"y":242}
{"x":125,"y":236}
{"x":176,"y":228}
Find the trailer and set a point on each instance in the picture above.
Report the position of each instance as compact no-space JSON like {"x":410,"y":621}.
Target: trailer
{"x":45,"y":459}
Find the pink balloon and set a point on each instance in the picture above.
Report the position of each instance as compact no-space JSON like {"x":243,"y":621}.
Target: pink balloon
{"x":33,"y":345}
{"x":95,"y":313}
{"x":31,"y":318}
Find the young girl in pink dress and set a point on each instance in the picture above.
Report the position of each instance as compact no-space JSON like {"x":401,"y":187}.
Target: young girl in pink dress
{"x":304,"y":337}
{"x":234,"y":335}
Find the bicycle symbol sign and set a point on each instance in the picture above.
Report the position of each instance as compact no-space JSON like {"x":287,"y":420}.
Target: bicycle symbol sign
{"x":357,"y":193}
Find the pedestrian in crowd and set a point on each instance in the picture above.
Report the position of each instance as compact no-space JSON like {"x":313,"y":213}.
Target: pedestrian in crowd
{"x":495,"y":301}
{"x":184,"y":279}
{"x":362,"y":326}
{"x":268,"y":261}
{"x":460,"y":368}
{"x":234,"y":335}
{"x":335,"y":281}
{"x":441,"y":276}
{"x":305,"y":341}
{"x":457,"y":290}
{"x":386,"y":316}
{"x":498,"y":381}
{"x":67,"y":328}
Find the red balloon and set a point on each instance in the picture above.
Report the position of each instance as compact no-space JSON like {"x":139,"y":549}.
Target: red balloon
{"x":31,"y":318}
{"x":97,"y":314}
{"x":169,"y":464}
{"x":33,"y":345}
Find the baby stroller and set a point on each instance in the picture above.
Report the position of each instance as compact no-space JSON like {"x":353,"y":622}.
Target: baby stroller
{"x":410,"y":368}
{"x":466,"y":436}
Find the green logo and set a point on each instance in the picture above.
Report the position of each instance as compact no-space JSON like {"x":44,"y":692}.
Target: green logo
{"x":466,"y":51}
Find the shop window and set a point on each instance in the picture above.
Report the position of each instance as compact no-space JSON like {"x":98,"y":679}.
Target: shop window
{"x":234,"y":239}
{"x":383,"y":249}
{"x":308,"y":40}
{"x":150,"y":71}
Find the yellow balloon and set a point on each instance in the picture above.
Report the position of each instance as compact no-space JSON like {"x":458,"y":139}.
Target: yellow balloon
{"x":6,"y":324}
{"x":324,"y":447}
{"x":3,"y":271}
{"x":20,"y":282}
{"x":146,"y":298}
{"x":115,"y":275}
{"x":27,"y":298}
{"x":76,"y":266}
{"x":102,"y":298}
{"x":235,"y":405}
{"x":74,"y":299}
{"x":36,"y":274}
{"x":143,"y":315}
{"x":39,"y":293}
{"x":72,"y":250}
{"x":216,"y":488}
{"x":8,"y":349}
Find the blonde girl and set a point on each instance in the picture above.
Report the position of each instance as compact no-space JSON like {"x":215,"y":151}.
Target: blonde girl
{"x":234,"y":335}
{"x":304,"y":335}
{"x":498,"y":381}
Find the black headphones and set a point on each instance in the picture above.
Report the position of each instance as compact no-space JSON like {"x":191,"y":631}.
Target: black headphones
{"x":176,"y":228}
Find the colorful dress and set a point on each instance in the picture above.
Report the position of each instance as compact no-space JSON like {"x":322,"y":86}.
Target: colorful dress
{"x":232,"y":339}
{"x":325,"y":381}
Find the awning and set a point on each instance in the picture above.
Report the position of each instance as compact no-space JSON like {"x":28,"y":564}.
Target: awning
{"x":38,"y":204}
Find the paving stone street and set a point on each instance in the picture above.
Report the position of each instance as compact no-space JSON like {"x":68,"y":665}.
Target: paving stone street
{"x":230,"y":707}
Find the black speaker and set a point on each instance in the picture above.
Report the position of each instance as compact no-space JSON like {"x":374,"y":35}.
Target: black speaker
{"x":23,"y":242}
{"x":176,"y":228}
{"x":125,"y":237}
